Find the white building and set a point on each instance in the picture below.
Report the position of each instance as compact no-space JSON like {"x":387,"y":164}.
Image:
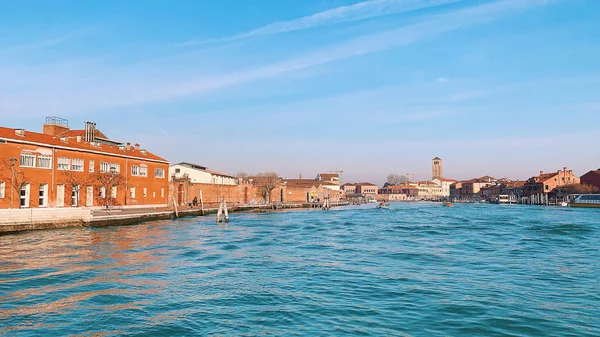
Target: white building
{"x":200,"y":174}
{"x":445,"y":183}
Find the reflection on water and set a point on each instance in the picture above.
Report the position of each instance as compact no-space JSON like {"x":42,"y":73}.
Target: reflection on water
{"x":414,"y":270}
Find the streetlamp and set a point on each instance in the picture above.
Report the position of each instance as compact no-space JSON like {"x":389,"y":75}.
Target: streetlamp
{"x":12,"y":184}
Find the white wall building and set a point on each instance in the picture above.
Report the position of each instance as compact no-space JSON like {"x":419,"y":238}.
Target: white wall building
{"x":200,"y":174}
{"x":445,"y":183}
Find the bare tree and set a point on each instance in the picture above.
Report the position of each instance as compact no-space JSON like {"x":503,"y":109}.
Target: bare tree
{"x":76,"y":180}
{"x":241,"y":176}
{"x":395,"y":180}
{"x":16,"y":177}
{"x":108,"y":180}
{"x":266,"y":183}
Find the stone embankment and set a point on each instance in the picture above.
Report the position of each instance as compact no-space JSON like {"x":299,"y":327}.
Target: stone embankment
{"x":20,"y":220}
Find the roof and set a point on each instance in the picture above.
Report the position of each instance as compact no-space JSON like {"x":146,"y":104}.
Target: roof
{"x":302,"y":183}
{"x":427,"y":183}
{"x":401,"y":187}
{"x":544,"y":177}
{"x":437,"y":158}
{"x":329,"y":176}
{"x":219,"y":174}
{"x":365,"y":184}
{"x":348,"y":184}
{"x":194,"y":166}
{"x":55,"y":141}
{"x":445,"y":179}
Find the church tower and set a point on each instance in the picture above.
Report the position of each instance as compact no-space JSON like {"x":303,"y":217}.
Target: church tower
{"x":436,"y":168}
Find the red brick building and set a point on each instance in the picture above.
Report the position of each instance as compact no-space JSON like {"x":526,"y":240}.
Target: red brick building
{"x":73,"y":168}
{"x":546,"y":182}
{"x":591,"y":178}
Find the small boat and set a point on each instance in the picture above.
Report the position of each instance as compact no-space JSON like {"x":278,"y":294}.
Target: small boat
{"x":587,"y":201}
{"x":383,"y":206}
{"x":448,"y":204}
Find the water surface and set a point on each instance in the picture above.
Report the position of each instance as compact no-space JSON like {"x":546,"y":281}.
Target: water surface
{"x":415,"y":270}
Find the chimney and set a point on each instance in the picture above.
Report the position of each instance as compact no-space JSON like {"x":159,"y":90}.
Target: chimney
{"x":128,"y":146}
{"x":300,"y":176}
{"x":55,"y":126}
{"x":137,"y":146}
{"x":541,"y":172}
{"x":20,"y":132}
{"x":78,"y":139}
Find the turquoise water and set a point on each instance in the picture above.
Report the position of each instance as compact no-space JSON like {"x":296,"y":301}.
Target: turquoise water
{"x":414,"y":270}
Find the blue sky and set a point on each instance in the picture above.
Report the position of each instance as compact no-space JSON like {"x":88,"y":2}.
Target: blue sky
{"x":498,"y":87}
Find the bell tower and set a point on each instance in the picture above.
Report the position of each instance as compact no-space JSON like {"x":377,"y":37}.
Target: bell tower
{"x":436,"y":168}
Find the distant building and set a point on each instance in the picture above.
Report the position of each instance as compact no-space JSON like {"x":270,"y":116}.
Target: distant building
{"x":436,"y":168}
{"x":189,"y":182}
{"x":591,"y":178}
{"x":546,"y":182}
{"x":471,"y":188}
{"x":200,"y":174}
{"x":456,"y":191}
{"x":397,"y":193}
{"x":348,"y":188}
{"x":428,"y":190}
{"x":445,"y":184}
{"x":330,"y":180}
{"x":367,"y":189}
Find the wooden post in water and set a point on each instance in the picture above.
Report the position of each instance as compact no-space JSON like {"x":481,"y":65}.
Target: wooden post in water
{"x":176,"y":212}
{"x":222,"y":209}
{"x":201,"y":203}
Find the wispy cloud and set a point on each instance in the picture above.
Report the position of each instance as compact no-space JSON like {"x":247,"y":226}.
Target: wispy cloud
{"x":101,"y":88}
{"x":49,"y":42}
{"x":360,"y":11}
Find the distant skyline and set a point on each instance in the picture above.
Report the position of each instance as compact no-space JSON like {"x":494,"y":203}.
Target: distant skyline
{"x":504,"y":88}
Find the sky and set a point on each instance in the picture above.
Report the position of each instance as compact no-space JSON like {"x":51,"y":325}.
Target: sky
{"x":493,"y":87}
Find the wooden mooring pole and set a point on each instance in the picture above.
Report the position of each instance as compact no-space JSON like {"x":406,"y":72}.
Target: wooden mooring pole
{"x":201,"y":203}
{"x":176,"y":212}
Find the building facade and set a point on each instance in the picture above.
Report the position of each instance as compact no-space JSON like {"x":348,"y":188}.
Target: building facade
{"x":77,"y":168}
{"x":546,"y":182}
{"x":436,"y":168}
{"x":445,"y":184}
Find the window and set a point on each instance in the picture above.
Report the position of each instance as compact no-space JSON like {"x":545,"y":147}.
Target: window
{"x":105,"y":167}
{"x":113,"y":192}
{"x":135,"y":170}
{"x":153,"y":194}
{"x":159,"y":173}
{"x":64,"y":164}
{"x":24,"y":193}
{"x":143,"y":170}
{"x":44,"y":161}
{"x":177,"y":170}
{"x":102,"y":192}
{"x":132,"y":192}
{"x":75,"y":196}
{"x":2,"y":189}
{"x":27,"y":160}
{"x":92,"y":163}
{"x":145,"y":192}
{"x":43,"y":195}
{"x":547,"y":187}
{"x":162,"y":192}
{"x":77,"y":165}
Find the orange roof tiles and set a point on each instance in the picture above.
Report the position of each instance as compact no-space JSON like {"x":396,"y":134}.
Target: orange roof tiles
{"x":52,"y":141}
